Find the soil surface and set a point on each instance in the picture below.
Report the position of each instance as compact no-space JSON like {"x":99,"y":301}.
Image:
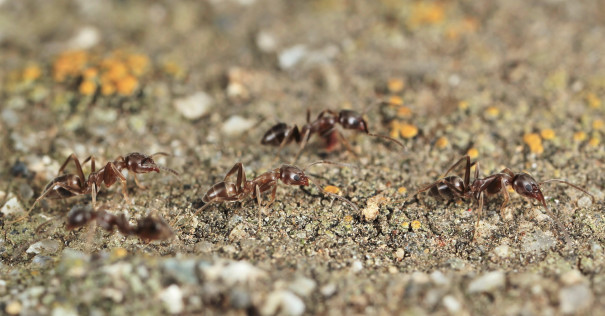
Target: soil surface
{"x":513,"y":84}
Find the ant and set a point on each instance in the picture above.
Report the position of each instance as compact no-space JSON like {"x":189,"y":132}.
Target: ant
{"x":226,"y":191}
{"x":324,"y":125}
{"x":69,"y":185}
{"x":449,"y":187}
{"x":148,"y":228}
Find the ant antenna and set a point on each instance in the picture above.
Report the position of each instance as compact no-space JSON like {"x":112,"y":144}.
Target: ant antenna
{"x":334,"y":195}
{"x":571,"y":185}
{"x":176,"y":174}
{"x":331,"y":163}
{"x":160,"y":154}
{"x":326,"y":192}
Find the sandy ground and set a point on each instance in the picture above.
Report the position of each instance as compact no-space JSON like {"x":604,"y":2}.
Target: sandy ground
{"x":512,"y":84}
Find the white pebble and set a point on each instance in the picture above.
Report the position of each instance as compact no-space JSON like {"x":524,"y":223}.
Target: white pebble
{"x":575,"y":298}
{"x":46,"y":245}
{"x":194,"y":106}
{"x":487,"y":282}
{"x":356,"y":266}
{"x":64,"y":311}
{"x":451,"y":304}
{"x":439,"y":278}
{"x":236,"y":125}
{"x":289,"y":57}
{"x":572,"y":277}
{"x":172,"y":297}
{"x":502,"y":251}
{"x":302,"y":286}
{"x":328,"y":289}
{"x":86,"y":38}
{"x":585,"y":202}
{"x":283,"y":301}
{"x":12,"y":206}
{"x":266,"y":41}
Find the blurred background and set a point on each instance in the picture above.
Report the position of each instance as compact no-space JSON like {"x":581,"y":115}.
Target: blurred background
{"x":512,"y":84}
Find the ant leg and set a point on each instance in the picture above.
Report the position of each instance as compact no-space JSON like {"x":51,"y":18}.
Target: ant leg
{"x":479,"y":216}
{"x":136,"y":181}
{"x":78,"y":166}
{"x":508,"y":172}
{"x":468,"y":162}
{"x":120,"y":177}
{"x":260,"y":205}
{"x":241,"y":176}
{"x":92,"y":162}
{"x":42,"y":196}
{"x":506,"y":197}
{"x":304,"y":139}
{"x":293,"y":134}
{"x":94,"y":196}
{"x":346,"y":143}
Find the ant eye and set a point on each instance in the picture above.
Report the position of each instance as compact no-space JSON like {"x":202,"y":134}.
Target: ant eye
{"x":528,"y":188}
{"x":296,"y":177}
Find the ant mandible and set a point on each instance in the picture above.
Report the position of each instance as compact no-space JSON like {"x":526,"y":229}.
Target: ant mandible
{"x":226,"y":191}
{"x":69,"y":185}
{"x":324,"y":125}
{"x":449,"y":187}
{"x":151,"y":227}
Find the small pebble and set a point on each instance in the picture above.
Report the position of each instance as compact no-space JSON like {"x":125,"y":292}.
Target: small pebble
{"x":502,"y":251}
{"x":400,"y":253}
{"x":25,"y":191}
{"x":451,"y":304}
{"x":236,"y":125}
{"x":12,"y":206}
{"x":289,"y":57}
{"x":266,"y":42}
{"x":172,"y":297}
{"x":487,"y":282}
{"x":240,"y":298}
{"x":573,"y":277}
{"x":439,"y":278}
{"x":328,"y":289}
{"x":284,"y":302}
{"x":47,"y":246}
{"x":302,"y":286}
{"x":574,"y":299}
{"x":13,"y":308}
{"x":585,"y":202}
{"x":86,"y":38}
{"x":357,"y":266}
{"x":194,"y":106}
{"x":10,"y":117}
{"x":41,"y":261}
{"x":232,"y":272}
{"x":182,"y":270}
{"x":538,"y":242}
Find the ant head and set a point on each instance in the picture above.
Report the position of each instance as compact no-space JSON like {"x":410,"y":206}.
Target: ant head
{"x":352,"y":120}
{"x":292,"y":175}
{"x":527,"y":186}
{"x":139,"y":163}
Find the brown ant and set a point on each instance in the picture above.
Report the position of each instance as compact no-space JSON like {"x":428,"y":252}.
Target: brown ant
{"x":449,"y":187}
{"x":324,"y":125}
{"x":149,"y":228}
{"x":226,"y":191}
{"x":69,"y":185}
